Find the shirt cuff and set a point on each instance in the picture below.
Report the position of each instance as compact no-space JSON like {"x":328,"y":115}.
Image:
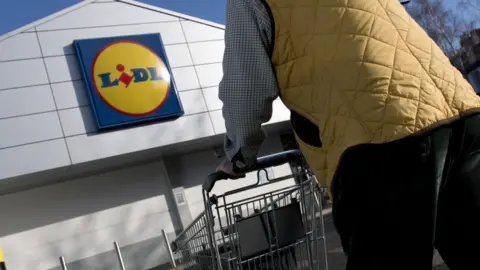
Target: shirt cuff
{"x":242,"y":157}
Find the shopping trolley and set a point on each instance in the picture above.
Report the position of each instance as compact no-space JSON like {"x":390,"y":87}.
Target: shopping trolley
{"x":272,"y":229}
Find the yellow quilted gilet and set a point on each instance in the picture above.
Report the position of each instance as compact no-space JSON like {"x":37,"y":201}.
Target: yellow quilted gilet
{"x":363,"y":71}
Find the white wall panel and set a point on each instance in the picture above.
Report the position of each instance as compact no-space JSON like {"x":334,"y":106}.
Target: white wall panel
{"x":178,"y":55}
{"x":63,"y":68}
{"x":82,"y":218}
{"x":185,"y":78}
{"x":196,"y":207}
{"x":199,"y":32}
{"x":225,"y":186}
{"x":114,"y":13}
{"x":77,"y":121}
{"x":60,"y":42}
{"x":20,"y":46}
{"x":19,"y":73}
{"x":207,"y":52}
{"x":211,"y":97}
{"x":280,"y":112}
{"x":282,"y":170}
{"x":32,"y":158}
{"x":28,"y":100}
{"x":91,"y":147}
{"x":218,"y":122}
{"x":28,"y":129}
{"x":70,"y":94}
{"x":193,"y":101}
{"x":209,"y":75}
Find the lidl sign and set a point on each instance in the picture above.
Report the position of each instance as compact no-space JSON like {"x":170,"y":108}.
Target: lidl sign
{"x":128,"y":79}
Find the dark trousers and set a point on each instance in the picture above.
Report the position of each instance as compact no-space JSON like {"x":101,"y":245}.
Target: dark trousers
{"x":394,"y":203}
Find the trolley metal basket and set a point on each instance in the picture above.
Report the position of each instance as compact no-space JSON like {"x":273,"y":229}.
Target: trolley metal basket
{"x":279,"y":229}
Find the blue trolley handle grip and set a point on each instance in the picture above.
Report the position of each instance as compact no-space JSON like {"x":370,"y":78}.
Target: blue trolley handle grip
{"x":262,"y":163}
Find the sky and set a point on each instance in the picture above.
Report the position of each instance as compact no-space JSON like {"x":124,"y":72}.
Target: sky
{"x":13,"y":16}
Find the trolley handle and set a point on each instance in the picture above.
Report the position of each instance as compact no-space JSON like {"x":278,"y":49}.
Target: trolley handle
{"x":262,"y":163}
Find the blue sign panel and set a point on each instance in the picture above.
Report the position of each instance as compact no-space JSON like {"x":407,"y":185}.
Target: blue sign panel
{"x":128,"y":79}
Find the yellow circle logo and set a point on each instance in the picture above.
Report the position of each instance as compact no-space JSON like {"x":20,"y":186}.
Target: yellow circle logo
{"x":130,"y":78}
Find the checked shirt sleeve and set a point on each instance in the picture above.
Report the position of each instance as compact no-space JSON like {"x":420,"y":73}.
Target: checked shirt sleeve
{"x":249,"y":85}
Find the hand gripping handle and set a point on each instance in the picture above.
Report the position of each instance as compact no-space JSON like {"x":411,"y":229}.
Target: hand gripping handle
{"x":262,"y":163}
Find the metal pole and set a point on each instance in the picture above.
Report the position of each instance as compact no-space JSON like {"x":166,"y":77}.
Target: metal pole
{"x":62,"y":262}
{"x":169,"y":249}
{"x":119,"y":255}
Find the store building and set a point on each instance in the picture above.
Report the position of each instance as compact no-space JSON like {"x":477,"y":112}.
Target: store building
{"x":71,"y":188}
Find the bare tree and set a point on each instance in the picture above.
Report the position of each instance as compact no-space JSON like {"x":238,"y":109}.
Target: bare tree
{"x":434,"y":17}
{"x":468,"y":12}
{"x":444,"y":21}
{"x":470,"y":6}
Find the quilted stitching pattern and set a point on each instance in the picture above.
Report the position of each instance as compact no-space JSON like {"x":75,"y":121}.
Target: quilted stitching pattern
{"x":364,"y":71}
